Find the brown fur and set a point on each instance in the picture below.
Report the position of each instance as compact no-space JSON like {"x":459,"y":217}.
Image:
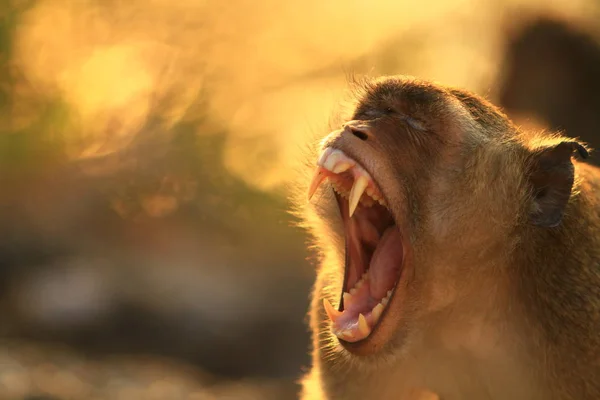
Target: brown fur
{"x":502,"y":300}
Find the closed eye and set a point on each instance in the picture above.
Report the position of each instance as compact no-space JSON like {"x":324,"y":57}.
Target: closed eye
{"x":413,"y":123}
{"x":373,"y":114}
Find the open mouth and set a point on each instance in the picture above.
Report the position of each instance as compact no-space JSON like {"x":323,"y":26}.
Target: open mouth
{"x":374,"y":246}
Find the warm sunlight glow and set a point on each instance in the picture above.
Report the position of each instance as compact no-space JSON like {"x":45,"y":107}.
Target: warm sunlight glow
{"x":112,"y":108}
{"x":276,"y":70}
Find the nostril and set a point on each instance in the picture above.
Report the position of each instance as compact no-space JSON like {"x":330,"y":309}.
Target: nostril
{"x":359,"y":134}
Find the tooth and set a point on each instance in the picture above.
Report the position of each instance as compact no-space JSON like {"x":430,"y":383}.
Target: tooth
{"x":347,"y":299}
{"x":363,"y":326}
{"x":360,"y":184}
{"x":386,"y":299}
{"x":353,"y":291}
{"x":332,"y":313}
{"x":317,"y":179}
{"x":332,"y":159}
{"x":338,"y":187}
{"x":324,"y":155}
{"x":343,"y":334}
{"x":342,"y":166}
{"x":377,"y":312}
{"x":359,"y":283}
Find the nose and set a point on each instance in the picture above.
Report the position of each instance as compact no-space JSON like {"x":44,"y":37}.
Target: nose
{"x":358,"y":129}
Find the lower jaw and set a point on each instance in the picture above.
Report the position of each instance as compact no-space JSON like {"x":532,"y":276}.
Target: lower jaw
{"x":389,"y":327}
{"x":386,"y":333}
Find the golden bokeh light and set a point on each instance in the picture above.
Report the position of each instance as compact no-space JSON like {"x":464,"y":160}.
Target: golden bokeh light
{"x":275,"y":69}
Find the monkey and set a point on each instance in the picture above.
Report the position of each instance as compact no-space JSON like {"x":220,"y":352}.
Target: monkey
{"x":459,"y":254}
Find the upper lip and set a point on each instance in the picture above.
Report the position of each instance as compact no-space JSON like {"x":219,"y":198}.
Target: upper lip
{"x":334,"y":161}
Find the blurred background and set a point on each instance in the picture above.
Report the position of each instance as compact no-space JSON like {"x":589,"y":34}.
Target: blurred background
{"x":146,"y":148}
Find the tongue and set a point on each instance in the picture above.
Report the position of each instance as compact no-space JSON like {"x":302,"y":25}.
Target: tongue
{"x":385,"y":263}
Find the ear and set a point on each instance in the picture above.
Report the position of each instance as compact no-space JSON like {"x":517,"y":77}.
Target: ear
{"x":551,"y":178}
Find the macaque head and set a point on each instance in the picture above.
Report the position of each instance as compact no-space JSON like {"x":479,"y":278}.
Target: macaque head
{"x":420,"y":201}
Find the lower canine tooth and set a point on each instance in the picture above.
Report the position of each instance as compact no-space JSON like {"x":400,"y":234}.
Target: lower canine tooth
{"x":363,"y":326}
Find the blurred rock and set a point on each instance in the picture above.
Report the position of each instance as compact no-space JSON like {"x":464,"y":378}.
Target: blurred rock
{"x":551,"y":75}
{"x":57,"y":372}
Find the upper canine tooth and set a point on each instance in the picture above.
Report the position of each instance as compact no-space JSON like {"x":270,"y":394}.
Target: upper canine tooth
{"x":360,"y":184}
{"x":317,"y":179}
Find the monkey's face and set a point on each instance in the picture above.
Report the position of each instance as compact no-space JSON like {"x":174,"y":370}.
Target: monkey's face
{"x":387,"y":180}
